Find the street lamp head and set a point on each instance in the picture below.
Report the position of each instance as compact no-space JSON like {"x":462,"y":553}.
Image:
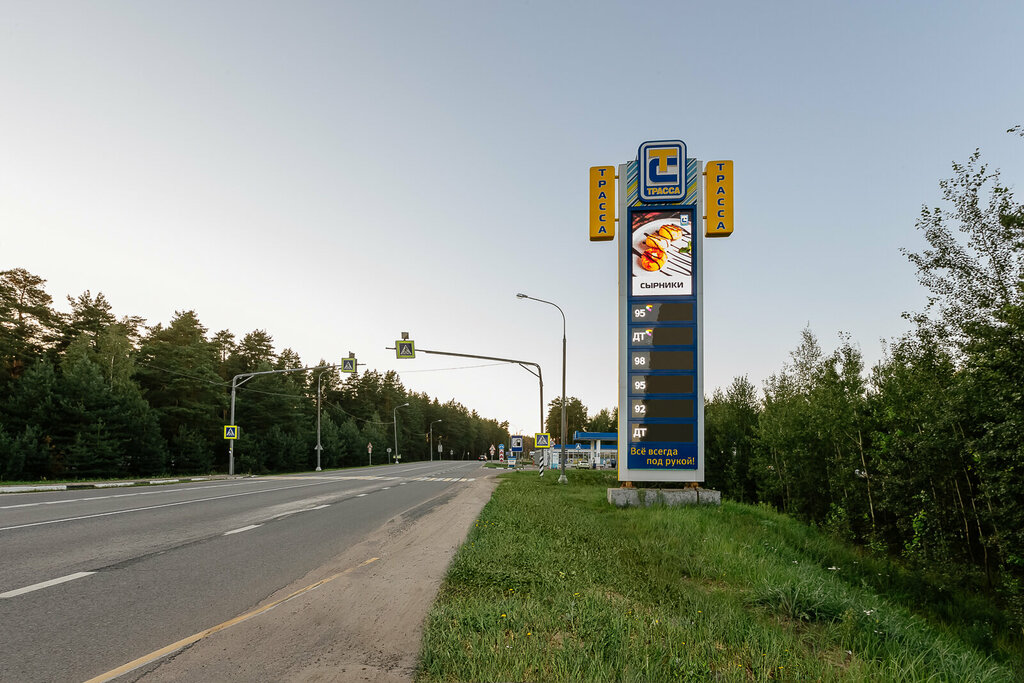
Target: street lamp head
{"x":521,"y":296}
{"x":403,"y":405}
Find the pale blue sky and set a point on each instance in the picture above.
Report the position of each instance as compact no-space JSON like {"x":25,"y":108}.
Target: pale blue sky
{"x":338,"y":172}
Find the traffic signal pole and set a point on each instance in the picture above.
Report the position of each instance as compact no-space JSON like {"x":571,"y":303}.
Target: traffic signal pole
{"x":520,"y":363}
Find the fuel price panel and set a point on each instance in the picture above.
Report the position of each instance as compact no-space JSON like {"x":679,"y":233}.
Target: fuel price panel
{"x":662,"y":385}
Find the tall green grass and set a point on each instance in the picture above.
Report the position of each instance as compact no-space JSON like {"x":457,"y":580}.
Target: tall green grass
{"x":555,"y":584}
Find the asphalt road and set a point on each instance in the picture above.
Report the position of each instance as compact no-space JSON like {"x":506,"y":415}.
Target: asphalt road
{"x":90,"y":580}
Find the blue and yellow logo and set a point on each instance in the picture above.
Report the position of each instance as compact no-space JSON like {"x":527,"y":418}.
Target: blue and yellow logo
{"x":662,"y":165}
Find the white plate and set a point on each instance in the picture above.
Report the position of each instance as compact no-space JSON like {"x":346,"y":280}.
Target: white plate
{"x":679,"y":264}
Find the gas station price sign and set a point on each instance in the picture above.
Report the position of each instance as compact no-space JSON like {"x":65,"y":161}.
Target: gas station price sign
{"x":661,"y":404}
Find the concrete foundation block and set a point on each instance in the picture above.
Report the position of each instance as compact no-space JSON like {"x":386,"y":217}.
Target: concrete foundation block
{"x":677,"y":496}
{"x":623,"y":497}
{"x":709,"y":497}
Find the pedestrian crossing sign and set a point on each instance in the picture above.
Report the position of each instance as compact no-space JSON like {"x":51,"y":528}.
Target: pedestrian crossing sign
{"x":542,"y":440}
{"x":405,"y":349}
{"x":348,"y":364}
{"x":230,"y":431}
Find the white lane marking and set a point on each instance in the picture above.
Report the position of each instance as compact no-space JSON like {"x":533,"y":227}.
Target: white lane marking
{"x":295,"y":512}
{"x":153,"y":507}
{"x":115,"y":495}
{"x":45,"y":584}
{"x":213,"y":486}
{"x":361,"y":495}
{"x":385,"y":488}
{"x":244,"y":528}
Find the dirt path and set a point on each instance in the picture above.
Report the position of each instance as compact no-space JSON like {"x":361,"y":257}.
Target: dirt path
{"x":364,"y":623}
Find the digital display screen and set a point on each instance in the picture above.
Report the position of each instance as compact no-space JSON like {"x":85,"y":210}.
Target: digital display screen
{"x":661,"y":243}
{"x":662,"y":336}
{"x":660,"y":433}
{"x":661,"y":407}
{"x":661,"y":384}
{"x":661,"y":360}
{"x":662,"y":313}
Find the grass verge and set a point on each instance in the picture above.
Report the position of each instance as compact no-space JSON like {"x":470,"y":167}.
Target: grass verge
{"x":555,"y":584}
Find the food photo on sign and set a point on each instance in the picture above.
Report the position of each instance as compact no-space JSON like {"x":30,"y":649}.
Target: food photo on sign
{"x":662,"y":253}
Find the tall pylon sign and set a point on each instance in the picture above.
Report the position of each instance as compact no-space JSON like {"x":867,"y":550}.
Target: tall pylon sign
{"x":661,"y":308}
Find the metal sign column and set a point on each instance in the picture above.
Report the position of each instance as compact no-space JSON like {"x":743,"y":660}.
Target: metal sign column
{"x":661,"y":403}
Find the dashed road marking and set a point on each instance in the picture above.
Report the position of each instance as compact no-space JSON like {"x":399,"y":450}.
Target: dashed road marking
{"x":115,"y":495}
{"x":45,"y":584}
{"x":150,"y":507}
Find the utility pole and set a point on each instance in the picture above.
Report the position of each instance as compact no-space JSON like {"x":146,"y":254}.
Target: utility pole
{"x":234,"y":386}
{"x":355,"y":368}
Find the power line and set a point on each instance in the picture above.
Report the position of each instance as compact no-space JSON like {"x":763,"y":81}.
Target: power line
{"x":356,"y":417}
{"x":461,"y":367}
{"x":182,"y":374}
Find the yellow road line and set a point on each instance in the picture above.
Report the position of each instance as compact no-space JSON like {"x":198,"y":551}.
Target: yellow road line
{"x":185,"y":642}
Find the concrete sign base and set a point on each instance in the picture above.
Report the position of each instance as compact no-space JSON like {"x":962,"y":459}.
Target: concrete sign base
{"x":629,"y":497}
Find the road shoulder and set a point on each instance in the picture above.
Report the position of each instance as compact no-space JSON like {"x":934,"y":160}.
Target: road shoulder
{"x":364,"y":624}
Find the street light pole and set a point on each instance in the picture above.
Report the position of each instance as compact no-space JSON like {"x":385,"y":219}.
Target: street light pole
{"x":562,"y":479}
{"x":234,"y":387}
{"x":431,"y":447}
{"x":318,"y":446}
{"x":395,"y":419}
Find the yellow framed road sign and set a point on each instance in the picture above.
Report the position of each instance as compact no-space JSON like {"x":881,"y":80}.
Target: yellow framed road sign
{"x":405,"y":349}
{"x":230,"y":431}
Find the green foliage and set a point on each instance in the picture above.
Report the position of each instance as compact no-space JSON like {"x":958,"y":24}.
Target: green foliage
{"x":27,"y":322}
{"x":994,"y":379}
{"x":84,"y":395}
{"x":974,"y":263}
{"x":730,"y":423}
{"x":555,"y":584}
{"x":89,"y":317}
{"x":604,"y":421}
{"x":351,"y":448}
{"x":21,"y":454}
{"x":176,"y":371}
{"x":921,"y":456}
{"x":575,"y":417}
{"x":189,"y":452}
